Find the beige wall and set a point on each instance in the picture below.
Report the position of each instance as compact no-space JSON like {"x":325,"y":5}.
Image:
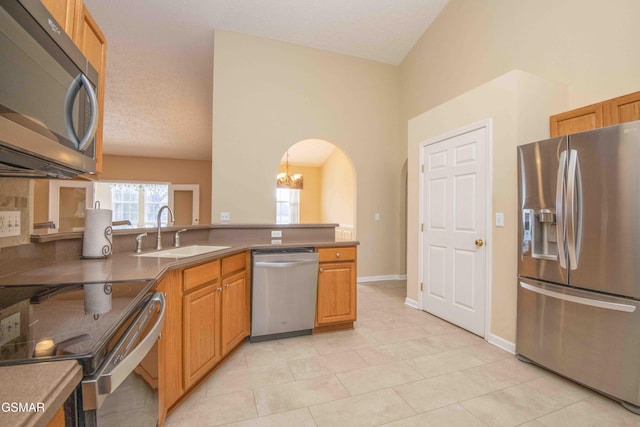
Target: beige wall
{"x":588,"y":46}
{"x":338,"y":190}
{"x":176,"y":171}
{"x":310,"y":209}
{"x":268,"y":95}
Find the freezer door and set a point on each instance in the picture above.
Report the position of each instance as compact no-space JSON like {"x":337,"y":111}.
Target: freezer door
{"x":591,"y":338}
{"x":542,"y":169}
{"x":603,"y":205}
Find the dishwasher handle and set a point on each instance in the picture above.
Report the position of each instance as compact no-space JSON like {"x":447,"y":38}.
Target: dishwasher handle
{"x":283,"y":264}
{"x":122,"y":361}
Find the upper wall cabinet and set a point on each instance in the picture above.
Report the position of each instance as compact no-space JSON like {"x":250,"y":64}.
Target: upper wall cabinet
{"x":64,"y":11}
{"x":78,"y":23}
{"x":611,"y":112}
{"x":622,"y":109}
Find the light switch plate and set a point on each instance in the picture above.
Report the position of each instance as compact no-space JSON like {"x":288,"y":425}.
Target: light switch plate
{"x":499,"y":219}
{"x":276,"y":233}
{"x":276,"y":242}
{"x":9,"y":223}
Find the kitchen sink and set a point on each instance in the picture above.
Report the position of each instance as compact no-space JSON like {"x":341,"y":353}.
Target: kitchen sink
{"x":184,"y":252}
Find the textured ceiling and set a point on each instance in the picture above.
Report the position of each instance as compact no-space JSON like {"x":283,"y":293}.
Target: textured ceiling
{"x":160,"y":57}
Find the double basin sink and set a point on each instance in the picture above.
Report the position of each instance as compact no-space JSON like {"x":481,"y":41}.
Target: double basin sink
{"x":184,"y":252}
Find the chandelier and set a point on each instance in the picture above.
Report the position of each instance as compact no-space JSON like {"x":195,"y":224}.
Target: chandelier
{"x":284,"y":180}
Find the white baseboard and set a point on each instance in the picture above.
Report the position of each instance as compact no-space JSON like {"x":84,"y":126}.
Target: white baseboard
{"x":411,"y":303}
{"x":382,"y":278}
{"x":502,"y":343}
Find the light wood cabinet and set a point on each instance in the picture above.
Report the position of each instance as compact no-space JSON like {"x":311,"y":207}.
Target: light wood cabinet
{"x":234,"y":306}
{"x":74,"y":17}
{"x":63,"y":11}
{"x":58,"y":419}
{"x":578,"y":120}
{"x":170,"y":383}
{"x":611,"y":112}
{"x":201,"y":332}
{"x":336,"y":305}
{"x":622,"y":109}
{"x":207,"y":316}
{"x":201,"y":320}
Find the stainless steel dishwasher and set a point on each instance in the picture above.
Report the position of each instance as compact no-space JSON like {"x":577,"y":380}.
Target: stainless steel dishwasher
{"x":285,"y":284}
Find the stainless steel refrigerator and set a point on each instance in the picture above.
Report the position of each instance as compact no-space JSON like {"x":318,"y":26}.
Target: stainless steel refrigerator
{"x":579,"y":258}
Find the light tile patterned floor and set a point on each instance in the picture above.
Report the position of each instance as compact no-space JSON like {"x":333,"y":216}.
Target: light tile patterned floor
{"x":398,"y":367}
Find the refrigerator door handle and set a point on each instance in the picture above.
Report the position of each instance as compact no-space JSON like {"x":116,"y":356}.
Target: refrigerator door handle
{"x":572,"y":209}
{"x":579,"y":300}
{"x":560,"y":227}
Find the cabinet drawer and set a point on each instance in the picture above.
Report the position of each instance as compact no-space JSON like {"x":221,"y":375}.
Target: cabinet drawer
{"x":233,"y":263}
{"x":200,"y":274}
{"x":345,"y":253}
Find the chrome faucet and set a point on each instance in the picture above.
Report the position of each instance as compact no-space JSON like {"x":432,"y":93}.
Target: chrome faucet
{"x":176,"y":238}
{"x":169,"y":220}
{"x":139,"y":242}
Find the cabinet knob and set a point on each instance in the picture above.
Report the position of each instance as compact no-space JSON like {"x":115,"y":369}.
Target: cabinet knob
{"x":226,"y":285}
{"x":321,"y":270}
{"x":337,"y":254}
{"x":219,"y":289}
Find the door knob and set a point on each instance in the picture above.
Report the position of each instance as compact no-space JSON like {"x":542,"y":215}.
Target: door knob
{"x":479,"y":242}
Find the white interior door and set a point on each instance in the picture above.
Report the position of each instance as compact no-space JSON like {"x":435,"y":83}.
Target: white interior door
{"x":454,"y":221}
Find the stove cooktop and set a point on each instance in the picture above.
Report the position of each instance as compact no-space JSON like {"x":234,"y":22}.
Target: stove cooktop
{"x":67,"y":321}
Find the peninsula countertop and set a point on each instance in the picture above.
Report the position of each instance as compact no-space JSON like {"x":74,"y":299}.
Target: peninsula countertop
{"x":127,"y":266}
{"x":40,"y":387}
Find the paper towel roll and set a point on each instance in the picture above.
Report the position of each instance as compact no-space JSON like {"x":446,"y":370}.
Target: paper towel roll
{"x":97,"y":233}
{"x":97,"y":298}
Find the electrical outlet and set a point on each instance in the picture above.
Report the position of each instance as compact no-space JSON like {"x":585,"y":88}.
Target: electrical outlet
{"x":276,"y":233}
{"x":276,"y":242}
{"x":9,"y":328}
{"x":225,"y":216}
{"x":9,"y":223}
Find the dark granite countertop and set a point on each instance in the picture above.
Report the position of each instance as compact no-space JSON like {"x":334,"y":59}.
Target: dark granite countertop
{"x":127,"y":266}
{"x":46,"y":385}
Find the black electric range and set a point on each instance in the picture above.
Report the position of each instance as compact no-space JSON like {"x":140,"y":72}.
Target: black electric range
{"x":80,"y":321}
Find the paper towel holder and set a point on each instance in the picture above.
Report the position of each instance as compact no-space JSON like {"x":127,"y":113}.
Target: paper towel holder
{"x":106,"y":248}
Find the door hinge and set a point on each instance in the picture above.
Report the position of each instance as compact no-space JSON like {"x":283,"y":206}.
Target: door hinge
{"x":422,"y":168}
{"x":422,"y":227}
{"x":421,"y":286}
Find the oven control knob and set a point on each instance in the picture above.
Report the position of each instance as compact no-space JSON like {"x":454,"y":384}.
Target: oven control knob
{"x":117,"y":359}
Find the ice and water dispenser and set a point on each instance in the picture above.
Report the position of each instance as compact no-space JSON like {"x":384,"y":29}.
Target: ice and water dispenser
{"x":540,"y":238}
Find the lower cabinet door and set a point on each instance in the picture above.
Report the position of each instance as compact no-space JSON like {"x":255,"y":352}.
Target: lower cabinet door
{"x":336,"y":293}
{"x":201,"y":332}
{"x":234,"y":307}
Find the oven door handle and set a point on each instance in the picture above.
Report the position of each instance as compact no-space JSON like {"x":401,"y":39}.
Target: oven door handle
{"x":122,"y":360}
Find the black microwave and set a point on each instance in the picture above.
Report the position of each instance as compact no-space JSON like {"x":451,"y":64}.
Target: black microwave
{"x":48,"y":96}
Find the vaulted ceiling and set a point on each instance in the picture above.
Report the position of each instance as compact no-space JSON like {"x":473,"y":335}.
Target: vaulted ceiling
{"x":160,"y":57}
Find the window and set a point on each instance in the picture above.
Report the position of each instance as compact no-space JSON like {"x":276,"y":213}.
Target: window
{"x":137,"y":203}
{"x":287,"y":206}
